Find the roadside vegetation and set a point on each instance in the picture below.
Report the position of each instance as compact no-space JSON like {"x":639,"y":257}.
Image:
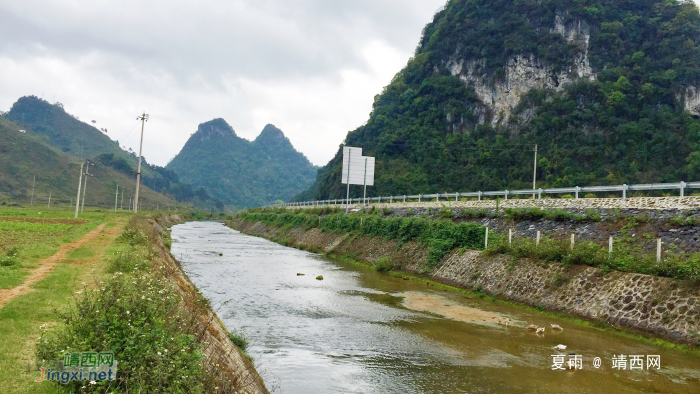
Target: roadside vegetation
{"x":441,"y":236}
{"x":137,"y":312}
{"x":438,"y":230}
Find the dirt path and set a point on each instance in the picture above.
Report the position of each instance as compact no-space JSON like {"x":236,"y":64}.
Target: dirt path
{"x":46,"y":266}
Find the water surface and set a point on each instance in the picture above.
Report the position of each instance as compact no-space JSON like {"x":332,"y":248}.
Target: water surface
{"x":358,"y":331}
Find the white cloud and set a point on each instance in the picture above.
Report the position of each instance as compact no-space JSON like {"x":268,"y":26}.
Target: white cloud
{"x":310,"y":67}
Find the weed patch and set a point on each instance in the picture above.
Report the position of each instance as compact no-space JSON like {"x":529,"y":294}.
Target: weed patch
{"x":383,"y":264}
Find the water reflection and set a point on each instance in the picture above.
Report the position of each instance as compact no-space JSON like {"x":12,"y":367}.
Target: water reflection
{"x":358,"y":331}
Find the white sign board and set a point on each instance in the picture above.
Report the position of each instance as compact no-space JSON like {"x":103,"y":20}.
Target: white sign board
{"x":369,"y":175}
{"x":353,"y":166}
{"x":357,"y":169}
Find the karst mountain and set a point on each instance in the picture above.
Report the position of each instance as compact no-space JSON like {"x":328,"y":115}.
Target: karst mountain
{"x":608,"y":89}
{"x":239,"y":172}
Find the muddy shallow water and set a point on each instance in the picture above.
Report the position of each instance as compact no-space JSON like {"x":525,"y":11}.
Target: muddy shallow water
{"x":358,"y":331}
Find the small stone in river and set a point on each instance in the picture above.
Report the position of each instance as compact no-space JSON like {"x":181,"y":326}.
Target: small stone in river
{"x":320,"y":277}
{"x":221,"y":254}
{"x":300,"y":274}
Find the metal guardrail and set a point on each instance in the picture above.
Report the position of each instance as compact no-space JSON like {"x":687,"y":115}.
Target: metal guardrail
{"x":681,"y":186}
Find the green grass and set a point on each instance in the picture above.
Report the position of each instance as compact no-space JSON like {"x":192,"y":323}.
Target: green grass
{"x":383,"y":264}
{"x":19,"y":329}
{"x":441,"y":236}
{"x":560,"y":215}
{"x":138,"y":313}
{"x":36,"y":241}
{"x":81,"y":253}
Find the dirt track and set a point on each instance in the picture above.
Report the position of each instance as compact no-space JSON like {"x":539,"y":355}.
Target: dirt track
{"x":46,"y":266}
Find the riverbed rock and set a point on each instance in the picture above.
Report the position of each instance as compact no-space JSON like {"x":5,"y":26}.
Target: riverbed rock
{"x":320,"y":277}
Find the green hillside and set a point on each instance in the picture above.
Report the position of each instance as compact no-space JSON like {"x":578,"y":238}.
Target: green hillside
{"x":60,"y":129}
{"x":239,"y":172}
{"x":609,"y":90}
{"x":51,"y":124}
{"x":24,"y":156}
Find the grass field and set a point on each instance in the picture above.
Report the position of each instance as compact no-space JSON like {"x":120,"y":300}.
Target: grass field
{"x":38,"y":236}
{"x":29,"y":235}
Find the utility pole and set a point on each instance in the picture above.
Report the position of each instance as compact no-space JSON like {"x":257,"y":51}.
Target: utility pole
{"x":143,"y":118}
{"x":534,"y":175}
{"x":80,"y":182}
{"x":116,"y":199}
{"x":122,"y":201}
{"x":49,"y":206}
{"x":31,"y":203}
{"x":87,"y":173}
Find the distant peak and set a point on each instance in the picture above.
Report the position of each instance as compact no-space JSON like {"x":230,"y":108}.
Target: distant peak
{"x":213,"y":127}
{"x":271,"y":133}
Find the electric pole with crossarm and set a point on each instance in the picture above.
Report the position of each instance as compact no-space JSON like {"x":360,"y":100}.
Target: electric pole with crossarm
{"x":143,"y":118}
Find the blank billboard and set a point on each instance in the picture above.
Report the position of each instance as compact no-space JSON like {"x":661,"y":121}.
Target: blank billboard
{"x":356,"y":167}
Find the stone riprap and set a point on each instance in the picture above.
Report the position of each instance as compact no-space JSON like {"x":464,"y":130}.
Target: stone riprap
{"x":656,"y":306}
{"x":654,"y":203}
{"x":663,"y":306}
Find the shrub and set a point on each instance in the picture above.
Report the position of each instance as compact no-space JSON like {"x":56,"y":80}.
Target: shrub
{"x":438,"y":249}
{"x":238,"y":340}
{"x":167,"y":239}
{"x":10,"y":257}
{"x":474,"y":213}
{"x":383,"y":264}
{"x":132,"y":236}
{"x":550,"y":214}
{"x":446,"y":213}
{"x":680,"y":221}
{"x":142,"y":321}
{"x":7,"y":261}
{"x":130,"y":259}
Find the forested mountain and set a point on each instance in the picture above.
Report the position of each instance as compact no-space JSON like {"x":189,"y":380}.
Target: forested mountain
{"x":239,"y":172}
{"x":54,"y":126}
{"x":60,"y":129}
{"x":27,"y":162}
{"x":608,"y":89}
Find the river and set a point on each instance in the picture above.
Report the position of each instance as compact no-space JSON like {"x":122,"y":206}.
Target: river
{"x":359,"y":331}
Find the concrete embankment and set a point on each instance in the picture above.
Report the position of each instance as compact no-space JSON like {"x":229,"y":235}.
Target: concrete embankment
{"x":228,"y":360}
{"x":654,"y":306}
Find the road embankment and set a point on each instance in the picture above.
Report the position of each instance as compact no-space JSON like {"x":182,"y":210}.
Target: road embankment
{"x":653,"y":306}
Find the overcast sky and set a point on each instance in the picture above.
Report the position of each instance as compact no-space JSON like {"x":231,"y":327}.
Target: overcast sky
{"x":310,"y":67}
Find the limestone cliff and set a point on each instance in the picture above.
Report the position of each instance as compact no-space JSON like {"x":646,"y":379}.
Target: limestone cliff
{"x":523,"y":73}
{"x":692,"y":100}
